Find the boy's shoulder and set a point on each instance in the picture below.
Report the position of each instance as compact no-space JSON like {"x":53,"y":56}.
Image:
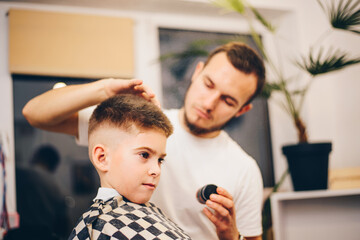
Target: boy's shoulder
{"x":122,"y":219}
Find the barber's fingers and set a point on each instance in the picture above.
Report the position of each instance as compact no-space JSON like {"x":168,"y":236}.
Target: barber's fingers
{"x":222,"y":202}
{"x":222,"y":214}
{"x":142,"y":88}
{"x":153,"y":99}
{"x":224,"y":198}
{"x":148,"y":94}
{"x":133,"y":86}
{"x":115,"y":86}
{"x":222,"y":191}
{"x":224,"y":222}
{"x":132,"y":83}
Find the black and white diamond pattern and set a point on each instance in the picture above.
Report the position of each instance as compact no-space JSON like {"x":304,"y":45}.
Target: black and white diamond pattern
{"x":118,"y":218}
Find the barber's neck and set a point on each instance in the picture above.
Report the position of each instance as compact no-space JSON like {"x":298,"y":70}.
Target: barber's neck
{"x":183,"y":124}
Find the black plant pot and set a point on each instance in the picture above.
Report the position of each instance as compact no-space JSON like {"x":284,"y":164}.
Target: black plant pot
{"x":308,"y":165}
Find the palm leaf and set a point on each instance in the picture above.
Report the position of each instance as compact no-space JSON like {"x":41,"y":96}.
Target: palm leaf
{"x":298,"y":92}
{"x":345,"y":15}
{"x":182,"y":60}
{"x":190,"y":52}
{"x":232,"y":5}
{"x":240,"y":6}
{"x":257,"y":39}
{"x":269,"y":88}
{"x":195,"y":49}
{"x":262,"y":20}
{"x":334,"y":60}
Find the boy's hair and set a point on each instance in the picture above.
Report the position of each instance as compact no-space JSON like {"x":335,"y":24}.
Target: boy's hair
{"x":246,"y":60}
{"x":126,"y":110}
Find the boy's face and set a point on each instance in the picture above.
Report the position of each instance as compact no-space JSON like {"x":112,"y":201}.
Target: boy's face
{"x":134,"y":162}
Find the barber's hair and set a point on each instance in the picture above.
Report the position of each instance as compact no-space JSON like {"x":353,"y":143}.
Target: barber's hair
{"x":126,"y":111}
{"x":245,"y":59}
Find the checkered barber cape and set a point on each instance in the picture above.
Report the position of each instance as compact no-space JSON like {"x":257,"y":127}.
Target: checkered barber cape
{"x":118,"y":218}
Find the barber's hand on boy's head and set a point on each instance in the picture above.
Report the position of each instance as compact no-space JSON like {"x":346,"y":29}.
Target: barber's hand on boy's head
{"x":223,"y":217}
{"x":133,"y":86}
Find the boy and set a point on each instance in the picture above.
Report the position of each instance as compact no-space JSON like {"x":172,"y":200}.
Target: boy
{"x":127,"y":141}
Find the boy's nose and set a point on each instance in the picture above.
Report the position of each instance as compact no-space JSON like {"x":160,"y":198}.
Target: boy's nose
{"x":154,"y":170}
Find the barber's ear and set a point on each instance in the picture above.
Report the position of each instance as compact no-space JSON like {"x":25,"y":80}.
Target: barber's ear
{"x":100,"y":158}
{"x":244,"y":109}
{"x":198,"y":69}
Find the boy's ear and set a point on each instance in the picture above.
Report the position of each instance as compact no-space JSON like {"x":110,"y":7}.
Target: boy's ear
{"x":198,"y":69}
{"x":244,"y":109}
{"x":100,"y":158}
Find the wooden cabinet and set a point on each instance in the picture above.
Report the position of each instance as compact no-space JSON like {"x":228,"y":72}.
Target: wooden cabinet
{"x":70,"y":45}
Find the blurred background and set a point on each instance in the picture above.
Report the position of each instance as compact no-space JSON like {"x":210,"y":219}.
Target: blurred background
{"x":85,"y":40}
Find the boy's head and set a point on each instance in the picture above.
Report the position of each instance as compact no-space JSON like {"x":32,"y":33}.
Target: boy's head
{"x":127,"y":141}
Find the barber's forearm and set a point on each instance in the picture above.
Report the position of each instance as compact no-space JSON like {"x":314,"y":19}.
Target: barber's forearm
{"x":58,"y":105}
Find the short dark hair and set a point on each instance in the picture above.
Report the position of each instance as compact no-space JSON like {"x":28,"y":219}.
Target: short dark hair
{"x":47,"y":156}
{"x":126,"y":110}
{"x":246,"y":60}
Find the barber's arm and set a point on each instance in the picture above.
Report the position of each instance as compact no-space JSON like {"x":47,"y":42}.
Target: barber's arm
{"x":224,"y":216}
{"x":56,"y":110}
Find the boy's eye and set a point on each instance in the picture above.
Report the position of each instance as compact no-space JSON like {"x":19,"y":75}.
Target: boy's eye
{"x":145,"y":155}
{"x":161,"y":160}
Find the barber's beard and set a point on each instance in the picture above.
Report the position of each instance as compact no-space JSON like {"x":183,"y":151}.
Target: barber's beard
{"x":198,"y":130}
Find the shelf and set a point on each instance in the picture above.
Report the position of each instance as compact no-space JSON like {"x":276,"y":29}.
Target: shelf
{"x":327,"y":214}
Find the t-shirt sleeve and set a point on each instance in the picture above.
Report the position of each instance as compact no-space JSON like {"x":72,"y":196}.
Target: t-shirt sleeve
{"x":83,"y":125}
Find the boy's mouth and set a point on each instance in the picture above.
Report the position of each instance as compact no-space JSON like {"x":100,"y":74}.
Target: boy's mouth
{"x":149,"y":185}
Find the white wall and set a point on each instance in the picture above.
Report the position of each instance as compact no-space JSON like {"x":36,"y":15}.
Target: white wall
{"x":331,"y":109}
{"x":6,"y":118}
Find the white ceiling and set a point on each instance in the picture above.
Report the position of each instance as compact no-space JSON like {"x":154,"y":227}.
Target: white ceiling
{"x":197,"y":7}
{"x":138,"y":5}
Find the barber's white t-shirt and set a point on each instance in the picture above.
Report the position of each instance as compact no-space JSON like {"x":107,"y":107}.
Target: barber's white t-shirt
{"x":193,"y":162}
